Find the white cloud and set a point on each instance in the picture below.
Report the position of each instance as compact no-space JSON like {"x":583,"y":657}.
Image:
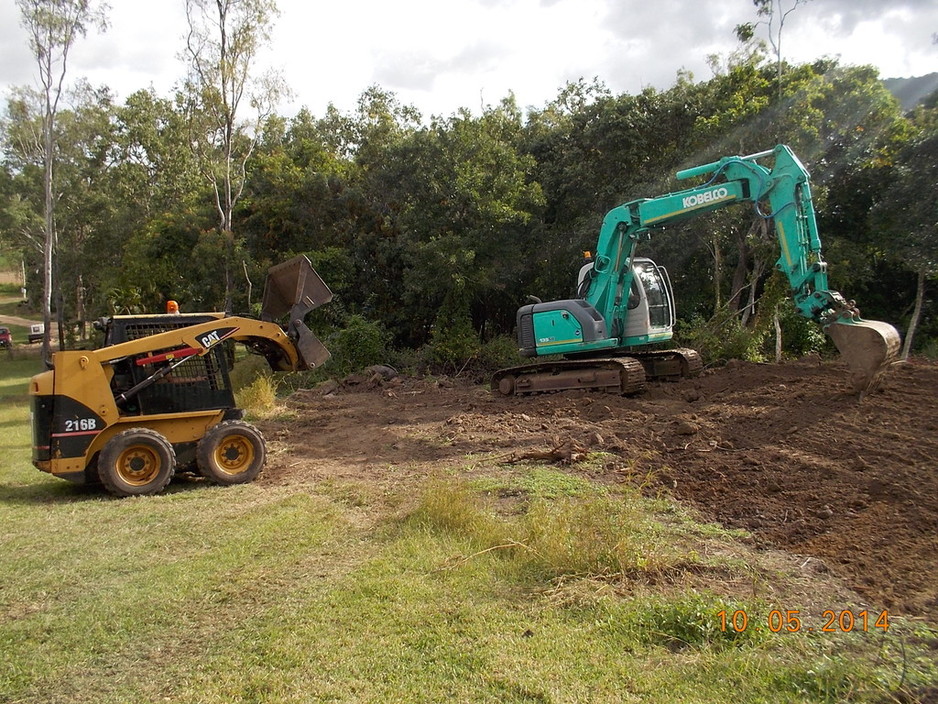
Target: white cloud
{"x":465,"y":53}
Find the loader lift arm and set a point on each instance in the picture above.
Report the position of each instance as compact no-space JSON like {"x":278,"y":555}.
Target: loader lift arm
{"x":168,"y":351}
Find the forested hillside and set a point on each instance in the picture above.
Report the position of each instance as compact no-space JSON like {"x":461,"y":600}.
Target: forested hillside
{"x":432,"y":230}
{"x":912,"y":91}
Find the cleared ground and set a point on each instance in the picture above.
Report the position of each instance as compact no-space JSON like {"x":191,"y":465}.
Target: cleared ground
{"x":409,"y":542}
{"x":784,"y":451}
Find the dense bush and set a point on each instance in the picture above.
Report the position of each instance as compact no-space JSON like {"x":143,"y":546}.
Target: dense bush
{"x":359,"y":344}
{"x":432,"y":234}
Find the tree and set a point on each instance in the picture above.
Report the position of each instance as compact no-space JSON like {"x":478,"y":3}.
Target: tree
{"x":463,"y":215}
{"x":159,"y":199}
{"x":85,"y":206}
{"x":908,"y":217}
{"x":23,"y":162}
{"x":53,"y":27}
{"x":224,"y":39}
{"x":775,"y":12}
{"x":152,"y":174}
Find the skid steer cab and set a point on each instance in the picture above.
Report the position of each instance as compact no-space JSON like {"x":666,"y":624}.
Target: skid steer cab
{"x":157,"y":396}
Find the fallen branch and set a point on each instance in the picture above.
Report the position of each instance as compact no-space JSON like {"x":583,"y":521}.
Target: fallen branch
{"x":566,"y":452}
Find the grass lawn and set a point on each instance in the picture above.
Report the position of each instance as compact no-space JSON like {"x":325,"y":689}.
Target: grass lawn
{"x":341,"y":592}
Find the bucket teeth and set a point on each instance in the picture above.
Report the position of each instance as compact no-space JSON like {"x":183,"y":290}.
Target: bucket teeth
{"x":868,"y":347}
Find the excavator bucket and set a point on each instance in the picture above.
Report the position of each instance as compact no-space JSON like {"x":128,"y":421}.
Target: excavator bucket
{"x":868,"y":347}
{"x":294,"y":287}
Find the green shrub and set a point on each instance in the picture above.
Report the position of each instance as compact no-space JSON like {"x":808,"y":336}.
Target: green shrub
{"x":453,"y":340}
{"x":800,"y":336}
{"x":453,"y":343}
{"x":359,"y":344}
{"x":247,"y":370}
{"x":499,"y":352}
{"x":409,"y":361}
{"x":254,"y":384}
{"x":721,"y":338}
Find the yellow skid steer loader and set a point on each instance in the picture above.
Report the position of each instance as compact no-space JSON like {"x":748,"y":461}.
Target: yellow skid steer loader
{"x":157,"y":395}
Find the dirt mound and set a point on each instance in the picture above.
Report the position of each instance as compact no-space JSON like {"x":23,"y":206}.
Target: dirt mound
{"x":784,"y":451}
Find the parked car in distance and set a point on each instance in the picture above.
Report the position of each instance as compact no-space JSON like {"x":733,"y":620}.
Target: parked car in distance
{"x":6,"y":339}
{"x":35,"y":333}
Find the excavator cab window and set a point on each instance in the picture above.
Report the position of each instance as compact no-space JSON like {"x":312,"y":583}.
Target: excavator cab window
{"x":635,"y":294}
{"x":657,"y":292}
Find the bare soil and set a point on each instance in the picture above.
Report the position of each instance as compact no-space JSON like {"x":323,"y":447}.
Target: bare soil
{"x":786,"y":452}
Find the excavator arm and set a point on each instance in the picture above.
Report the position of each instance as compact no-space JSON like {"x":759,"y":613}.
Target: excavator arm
{"x":867,"y":346}
{"x":784,"y":189}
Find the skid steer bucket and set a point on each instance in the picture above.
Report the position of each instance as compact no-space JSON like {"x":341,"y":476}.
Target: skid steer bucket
{"x":294,"y":287}
{"x":868,"y":347}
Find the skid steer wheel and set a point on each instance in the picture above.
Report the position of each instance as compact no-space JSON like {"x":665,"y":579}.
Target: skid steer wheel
{"x":232,"y":452}
{"x":136,"y":462}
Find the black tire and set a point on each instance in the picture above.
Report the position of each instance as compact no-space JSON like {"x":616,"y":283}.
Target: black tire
{"x":233,"y":452}
{"x":136,"y":462}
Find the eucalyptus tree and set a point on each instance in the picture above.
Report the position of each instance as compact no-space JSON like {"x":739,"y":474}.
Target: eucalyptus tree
{"x":773,"y":14}
{"x":152,"y":174}
{"x":86,"y":204}
{"x":222,"y":46}
{"x":908,"y":219}
{"x":21,"y":136}
{"x":53,"y":27}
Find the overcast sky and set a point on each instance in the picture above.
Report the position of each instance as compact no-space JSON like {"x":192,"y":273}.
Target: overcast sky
{"x":440,"y":55}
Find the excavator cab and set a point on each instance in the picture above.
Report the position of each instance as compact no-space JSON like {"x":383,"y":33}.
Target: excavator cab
{"x":650,"y":308}
{"x":650,"y":305}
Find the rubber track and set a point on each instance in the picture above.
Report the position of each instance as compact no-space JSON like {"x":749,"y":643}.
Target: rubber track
{"x":592,"y":374}
{"x":690,"y":362}
{"x":570,"y":374}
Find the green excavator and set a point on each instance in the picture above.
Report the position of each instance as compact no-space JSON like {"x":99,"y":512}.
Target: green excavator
{"x":605,"y":337}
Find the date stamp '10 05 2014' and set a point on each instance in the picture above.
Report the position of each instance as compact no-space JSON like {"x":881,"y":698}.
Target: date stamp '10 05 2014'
{"x":791,"y":621}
